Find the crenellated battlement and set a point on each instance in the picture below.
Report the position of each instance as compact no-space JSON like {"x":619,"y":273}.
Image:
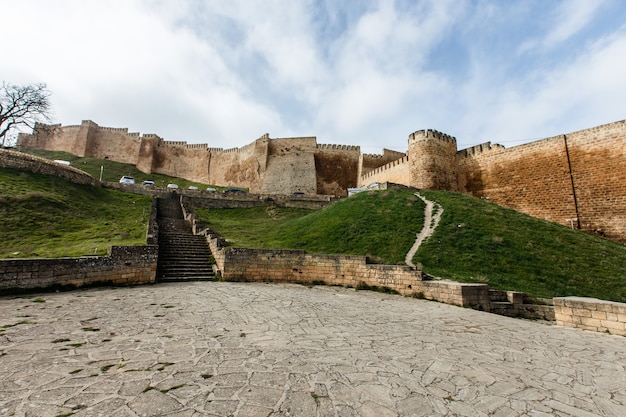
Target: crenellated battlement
{"x":385,"y":167}
{"x":123,"y":130}
{"x":431,"y":134}
{"x":373,"y":155}
{"x":480,"y":149}
{"x":71,"y":127}
{"x":152,"y":136}
{"x":201,"y":146}
{"x":331,"y":147}
{"x":174,"y":143}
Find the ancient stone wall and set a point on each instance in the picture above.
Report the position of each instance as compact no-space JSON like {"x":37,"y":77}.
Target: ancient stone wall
{"x":111,"y":143}
{"x":22,"y":161}
{"x":577,"y":178}
{"x":240,"y":167}
{"x":179,"y":159}
{"x":337,"y":168}
{"x":598,"y":166}
{"x":396,"y":172}
{"x":574,"y":179}
{"x":370,"y":162}
{"x":290,"y":166}
{"x":125,"y":265}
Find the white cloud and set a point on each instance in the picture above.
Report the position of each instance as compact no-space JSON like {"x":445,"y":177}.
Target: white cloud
{"x":362,"y":73}
{"x":564,"y":22}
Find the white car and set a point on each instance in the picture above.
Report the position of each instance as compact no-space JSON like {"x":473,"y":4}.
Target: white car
{"x":193,"y":187}
{"x":172,"y":186}
{"x":148,"y":183}
{"x":127,"y":180}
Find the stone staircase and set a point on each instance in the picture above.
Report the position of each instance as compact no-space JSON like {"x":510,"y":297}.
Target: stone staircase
{"x":183,"y":256}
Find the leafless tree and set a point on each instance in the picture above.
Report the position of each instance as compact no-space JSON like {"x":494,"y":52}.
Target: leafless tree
{"x":22,"y":106}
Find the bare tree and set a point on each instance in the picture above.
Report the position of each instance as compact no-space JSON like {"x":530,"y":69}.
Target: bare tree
{"x":22,"y":106}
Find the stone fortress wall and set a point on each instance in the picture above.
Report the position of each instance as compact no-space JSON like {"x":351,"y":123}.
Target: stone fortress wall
{"x":576,"y":179}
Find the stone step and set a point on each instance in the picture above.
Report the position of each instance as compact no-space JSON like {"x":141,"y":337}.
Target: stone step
{"x":183,"y":256}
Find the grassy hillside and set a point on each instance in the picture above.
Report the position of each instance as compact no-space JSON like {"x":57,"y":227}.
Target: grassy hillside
{"x":476,"y":241}
{"x":46,"y":216}
{"x":381,"y":225}
{"x":112,"y":171}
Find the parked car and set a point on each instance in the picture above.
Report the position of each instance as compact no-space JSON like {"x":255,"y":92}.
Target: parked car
{"x":172,"y":186}
{"x":127,"y":180}
{"x":193,"y":187}
{"x":148,"y":183}
{"x":234,"y":191}
{"x":211,"y":189}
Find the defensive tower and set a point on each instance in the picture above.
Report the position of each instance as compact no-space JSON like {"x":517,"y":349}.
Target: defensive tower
{"x":432,"y":160}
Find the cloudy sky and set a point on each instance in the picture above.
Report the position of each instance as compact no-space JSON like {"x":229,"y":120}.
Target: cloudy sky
{"x":366,"y":72}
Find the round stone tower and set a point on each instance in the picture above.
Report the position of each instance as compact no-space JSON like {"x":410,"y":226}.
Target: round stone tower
{"x":432,"y":160}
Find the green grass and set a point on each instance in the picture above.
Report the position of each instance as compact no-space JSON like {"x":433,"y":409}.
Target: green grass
{"x":476,"y":241}
{"x":251,"y":227}
{"x":381,"y":225}
{"x":47,"y":217}
{"x":113,"y":171}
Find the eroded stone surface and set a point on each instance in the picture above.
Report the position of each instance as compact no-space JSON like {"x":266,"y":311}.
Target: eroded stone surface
{"x":220,"y":349}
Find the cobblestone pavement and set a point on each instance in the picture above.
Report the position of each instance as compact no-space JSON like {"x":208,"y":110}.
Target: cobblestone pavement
{"x":235,"y":349}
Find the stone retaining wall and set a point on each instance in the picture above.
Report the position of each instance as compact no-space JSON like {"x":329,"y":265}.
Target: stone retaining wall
{"x":591,"y":314}
{"x":125,"y":265}
{"x":239,"y":264}
{"x":26,"y":162}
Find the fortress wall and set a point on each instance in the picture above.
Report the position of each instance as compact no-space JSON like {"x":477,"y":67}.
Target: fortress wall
{"x":396,"y":172}
{"x":240,"y":167}
{"x":55,"y":138}
{"x":369,"y":162}
{"x":536,"y":179}
{"x":179,"y":160}
{"x":432,"y":160}
{"x":531,"y":178}
{"x":114,"y":144}
{"x":598,"y":160}
{"x":147,"y":151}
{"x":337,"y":169}
{"x":290,"y":166}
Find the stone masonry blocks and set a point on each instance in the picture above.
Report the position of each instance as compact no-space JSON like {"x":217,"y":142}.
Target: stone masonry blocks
{"x":591,"y":314}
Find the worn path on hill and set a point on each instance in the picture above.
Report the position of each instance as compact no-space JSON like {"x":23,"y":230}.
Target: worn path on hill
{"x":430,"y":224}
{"x":251,"y":349}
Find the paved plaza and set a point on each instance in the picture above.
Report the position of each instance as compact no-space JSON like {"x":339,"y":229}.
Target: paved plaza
{"x":251,"y":349}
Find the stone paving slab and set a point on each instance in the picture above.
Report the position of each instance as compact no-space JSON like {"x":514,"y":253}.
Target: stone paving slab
{"x":247,"y":350}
